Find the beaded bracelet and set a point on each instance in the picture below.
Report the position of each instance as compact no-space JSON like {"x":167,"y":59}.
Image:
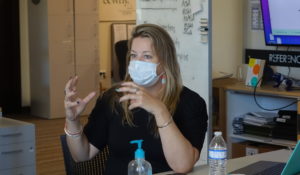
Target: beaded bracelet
{"x":167,"y":123}
{"x":73,"y":135}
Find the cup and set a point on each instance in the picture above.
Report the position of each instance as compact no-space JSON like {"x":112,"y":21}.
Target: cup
{"x":241,"y":72}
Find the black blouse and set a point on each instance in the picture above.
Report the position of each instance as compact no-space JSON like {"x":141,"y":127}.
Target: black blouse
{"x":105,"y":128}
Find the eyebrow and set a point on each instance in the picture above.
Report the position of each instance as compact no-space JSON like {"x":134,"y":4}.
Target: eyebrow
{"x":143,"y":51}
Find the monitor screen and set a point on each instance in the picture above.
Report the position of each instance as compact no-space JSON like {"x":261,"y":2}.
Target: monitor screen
{"x":281,"y":20}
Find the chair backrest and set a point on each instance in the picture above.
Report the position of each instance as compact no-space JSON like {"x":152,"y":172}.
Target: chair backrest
{"x":95,"y":166}
{"x":121,"y":50}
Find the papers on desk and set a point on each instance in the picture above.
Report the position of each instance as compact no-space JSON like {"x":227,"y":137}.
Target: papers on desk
{"x":219,"y":74}
{"x":259,"y":118}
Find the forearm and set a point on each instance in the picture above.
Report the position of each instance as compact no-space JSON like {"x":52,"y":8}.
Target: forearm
{"x":79,"y":146}
{"x":179,"y":152}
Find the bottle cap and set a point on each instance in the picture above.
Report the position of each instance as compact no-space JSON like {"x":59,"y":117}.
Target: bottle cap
{"x":218,"y":133}
{"x":139,"y":152}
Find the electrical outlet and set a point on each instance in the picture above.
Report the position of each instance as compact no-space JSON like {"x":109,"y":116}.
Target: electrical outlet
{"x":251,"y":151}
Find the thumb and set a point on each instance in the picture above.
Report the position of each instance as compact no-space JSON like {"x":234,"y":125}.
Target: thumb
{"x":88,"y":98}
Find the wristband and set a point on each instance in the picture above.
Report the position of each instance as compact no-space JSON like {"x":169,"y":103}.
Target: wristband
{"x":73,"y":135}
{"x":167,"y":123}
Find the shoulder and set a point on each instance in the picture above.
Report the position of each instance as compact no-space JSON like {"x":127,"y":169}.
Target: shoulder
{"x":109,"y":95}
{"x":110,"y":99}
{"x":189,"y":96}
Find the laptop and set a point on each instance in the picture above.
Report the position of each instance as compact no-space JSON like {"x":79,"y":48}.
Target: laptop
{"x":292,"y":166}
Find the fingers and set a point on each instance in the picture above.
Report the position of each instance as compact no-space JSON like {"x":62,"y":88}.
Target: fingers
{"x":133,"y":105}
{"x":130,"y":84}
{"x":67,"y":87}
{"x":129,"y":87}
{"x":129,"y":97}
{"x":71,"y":84}
{"x":132,"y":90}
{"x":134,"y":93}
{"x":74,"y":83}
{"x":70,"y":95}
{"x":89,"y":97}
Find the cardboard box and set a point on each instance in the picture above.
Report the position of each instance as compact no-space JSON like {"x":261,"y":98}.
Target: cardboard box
{"x":241,"y":149}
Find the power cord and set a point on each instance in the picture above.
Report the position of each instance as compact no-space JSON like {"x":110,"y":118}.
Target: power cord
{"x":274,"y":109}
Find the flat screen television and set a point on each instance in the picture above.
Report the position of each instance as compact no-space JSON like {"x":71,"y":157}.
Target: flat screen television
{"x":281,"y":19}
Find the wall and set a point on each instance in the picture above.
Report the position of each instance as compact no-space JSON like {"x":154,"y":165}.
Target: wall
{"x":227,"y":35}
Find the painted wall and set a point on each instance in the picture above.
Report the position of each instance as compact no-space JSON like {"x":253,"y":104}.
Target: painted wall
{"x":227,"y":35}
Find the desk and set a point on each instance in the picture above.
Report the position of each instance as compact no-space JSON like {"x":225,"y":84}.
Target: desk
{"x":234,"y":164}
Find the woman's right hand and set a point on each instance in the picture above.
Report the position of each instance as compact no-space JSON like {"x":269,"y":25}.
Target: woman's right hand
{"x":74,"y":105}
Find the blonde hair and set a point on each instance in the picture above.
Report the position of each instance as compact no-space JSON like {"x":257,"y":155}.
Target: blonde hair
{"x":166,"y":53}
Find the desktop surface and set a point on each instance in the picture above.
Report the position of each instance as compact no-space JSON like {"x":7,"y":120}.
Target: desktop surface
{"x":234,"y":164}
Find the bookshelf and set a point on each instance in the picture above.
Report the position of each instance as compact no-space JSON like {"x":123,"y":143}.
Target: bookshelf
{"x":237,"y":99}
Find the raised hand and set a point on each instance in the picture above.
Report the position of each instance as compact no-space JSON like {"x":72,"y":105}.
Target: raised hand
{"x":139,"y":97}
{"x":74,"y":105}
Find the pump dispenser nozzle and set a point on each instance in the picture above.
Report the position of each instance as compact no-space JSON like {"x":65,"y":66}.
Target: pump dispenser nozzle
{"x":139,"y":165}
{"x":139,"y":153}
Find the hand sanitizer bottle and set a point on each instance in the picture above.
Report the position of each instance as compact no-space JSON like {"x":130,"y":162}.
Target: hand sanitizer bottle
{"x":139,"y":166}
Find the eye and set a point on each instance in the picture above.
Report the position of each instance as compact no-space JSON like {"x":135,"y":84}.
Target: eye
{"x":148,"y":57}
{"x":133,"y":55}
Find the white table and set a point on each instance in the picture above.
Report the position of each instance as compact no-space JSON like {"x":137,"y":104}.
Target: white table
{"x":234,"y":164}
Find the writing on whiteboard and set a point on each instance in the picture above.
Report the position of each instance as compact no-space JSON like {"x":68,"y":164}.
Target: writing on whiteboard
{"x":168,"y":27}
{"x":188,"y":17}
{"x":184,"y":57}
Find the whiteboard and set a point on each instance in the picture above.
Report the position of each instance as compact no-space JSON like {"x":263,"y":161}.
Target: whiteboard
{"x":183,"y":20}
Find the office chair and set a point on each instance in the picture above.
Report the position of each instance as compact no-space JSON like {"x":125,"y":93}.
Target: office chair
{"x":95,"y":166}
{"x":121,"y":50}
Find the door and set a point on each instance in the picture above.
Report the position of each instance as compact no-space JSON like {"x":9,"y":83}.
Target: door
{"x":10,"y":86}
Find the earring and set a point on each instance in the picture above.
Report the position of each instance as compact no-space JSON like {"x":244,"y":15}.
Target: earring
{"x":163,"y":80}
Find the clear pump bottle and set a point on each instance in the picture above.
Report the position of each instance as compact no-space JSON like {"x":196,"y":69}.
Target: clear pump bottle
{"x":139,"y":166}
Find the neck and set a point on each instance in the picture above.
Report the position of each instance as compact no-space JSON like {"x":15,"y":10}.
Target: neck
{"x":155,"y":90}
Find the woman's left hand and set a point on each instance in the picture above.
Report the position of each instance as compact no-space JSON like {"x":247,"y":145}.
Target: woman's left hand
{"x":139,"y":97}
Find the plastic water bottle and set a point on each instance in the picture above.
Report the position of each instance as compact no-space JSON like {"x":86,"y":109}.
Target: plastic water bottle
{"x":217,"y":155}
{"x":139,"y":166}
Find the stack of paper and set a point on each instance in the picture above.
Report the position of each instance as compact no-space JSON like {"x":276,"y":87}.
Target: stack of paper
{"x":259,"y":118}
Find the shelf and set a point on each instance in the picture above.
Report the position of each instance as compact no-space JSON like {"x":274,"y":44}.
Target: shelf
{"x":268,"y":140}
{"x":265,"y":89}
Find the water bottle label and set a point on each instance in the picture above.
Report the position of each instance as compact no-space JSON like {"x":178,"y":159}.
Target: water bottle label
{"x":217,"y":154}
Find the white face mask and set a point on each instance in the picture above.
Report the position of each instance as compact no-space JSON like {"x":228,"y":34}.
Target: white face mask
{"x":143,"y":73}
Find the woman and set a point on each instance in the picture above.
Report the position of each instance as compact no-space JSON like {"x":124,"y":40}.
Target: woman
{"x":151,"y":104}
